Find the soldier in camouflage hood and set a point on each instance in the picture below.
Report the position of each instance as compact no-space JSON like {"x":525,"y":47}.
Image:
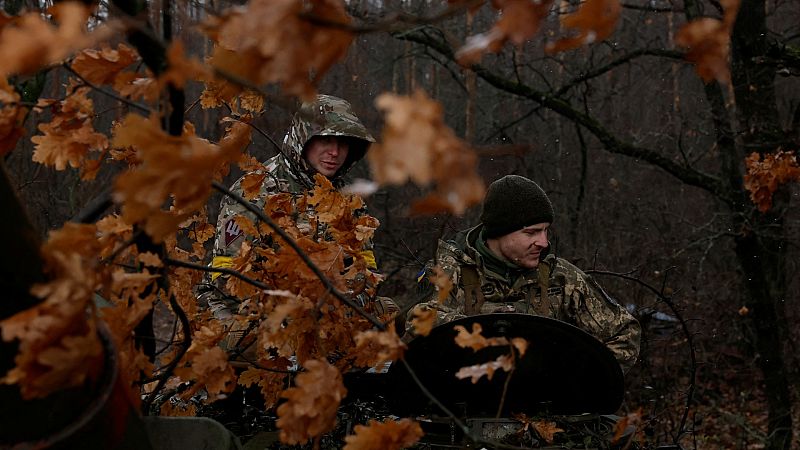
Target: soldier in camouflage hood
{"x":503,"y":265}
{"x":324,"y":137}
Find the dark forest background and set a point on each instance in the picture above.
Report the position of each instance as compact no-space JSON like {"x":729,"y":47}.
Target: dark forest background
{"x":642,"y":160}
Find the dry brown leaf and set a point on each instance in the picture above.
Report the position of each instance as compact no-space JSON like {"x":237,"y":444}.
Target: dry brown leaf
{"x":176,"y":168}
{"x":708,"y":43}
{"x":442,"y":281}
{"x":30,"y":43}
{"x":518,"y":21}
{"x":417,"y":146}
{"x":389,"y":435}
{"x":134,"y":86}
{"x":70,"y":137}
{"x":310,"y":407}
{"x":546,"y":430}
{"x":374,"y":348}
{"x":630,"y":420}
{"x":595,"y":20}
{"x":765,"y":176}
{"x":475,"y":340}
{"x":58,"y":343}
{"x":102,"y":66}
{"x":477,"y":371}
{"x":276,"y":41}
{"x":270,"y":383}
{"x":423,"y":321}
{"x":150,"y":259}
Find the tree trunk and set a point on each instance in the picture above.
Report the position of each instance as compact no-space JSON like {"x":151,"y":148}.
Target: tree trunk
{"x":760,"y":248}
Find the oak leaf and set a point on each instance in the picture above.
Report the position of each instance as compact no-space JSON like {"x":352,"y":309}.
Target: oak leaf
{"x":290,"y":42}
{"x":475,"y":340}
{"x":477,"y":371}
{"x":70,"y":136}
{"x":708,"y":42}
{"x":765,"y":176}
{"x":29,"y":42}
{"x":546,"y":430}
{"x":374,"y":348}
{"x":518,"y":21}
{"x":443,"y":282}
{"x":135,"y":86}
{"x":58,"y":343}
{"x":175,"y":169}
{"x":595,"y":20}
{"x":310,"y":407}
{"x":270,"y":382}
{"x":423,"y":321}
{"x":419,"y":147}
{"x":388,"y":435}
{"x":625,"y":423}
{"x":102,"y":66}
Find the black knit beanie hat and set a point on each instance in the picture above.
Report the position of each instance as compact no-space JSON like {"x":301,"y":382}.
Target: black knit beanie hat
{"x":512,"y":203}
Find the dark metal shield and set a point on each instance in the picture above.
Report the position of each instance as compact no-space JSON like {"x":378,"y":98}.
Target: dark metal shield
{"x":564,"y":370}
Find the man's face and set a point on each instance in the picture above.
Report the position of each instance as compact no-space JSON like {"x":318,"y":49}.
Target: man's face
{"x":523,"y":247}
{"x":326,"y":154}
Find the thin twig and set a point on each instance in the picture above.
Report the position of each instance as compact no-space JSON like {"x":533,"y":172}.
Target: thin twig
{"x":690,"y":342}
{"x":224,"y":270}
{"x":103,"y":91}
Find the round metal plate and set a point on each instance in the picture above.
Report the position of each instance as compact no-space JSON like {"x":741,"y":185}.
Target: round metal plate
{"x":564,"y":370}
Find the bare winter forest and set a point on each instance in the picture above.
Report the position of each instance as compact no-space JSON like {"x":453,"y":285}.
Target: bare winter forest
{"x":669,"y":153}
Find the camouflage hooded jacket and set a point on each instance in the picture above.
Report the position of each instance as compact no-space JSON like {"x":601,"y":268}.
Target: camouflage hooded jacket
{"x":556,"y":289}
{"x":287,"y":172}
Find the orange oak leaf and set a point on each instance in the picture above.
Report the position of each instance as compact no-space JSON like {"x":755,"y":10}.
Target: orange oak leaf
{"x":765,"y":176}
{"x":389,"y":435}
{"x":475,"y":340}
{"x":374,"y":348}
{"x":102,"y":66}
{"x":442,"y":281}
{"x":624,"y":424}
{"x":419,"y":147}
{"x":180,"y":69}
{"x":270,"y":383}
{"x":135,"y":86}
{"x":518,"y":21}
{"x":477,"y":371}
{"x":30,"y":42}
{"x":58,"y":342}
{"x":595,"y":20}
{"x":174,"y":168}
{"x":12,"y":117}
{"x":290,"y":42}
{"x":212,"y":371}
{"x":546,"y":430}
{"x":423,"y":321}
{"x":310,"y":407}
{"x":70,"y":136}
{"x":150,"y":259}
{"x":708,"y":43}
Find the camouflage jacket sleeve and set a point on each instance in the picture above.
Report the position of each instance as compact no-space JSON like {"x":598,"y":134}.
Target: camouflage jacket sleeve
{"x":452,"y":306}
{"x":227,"y":243}
{"x":590,"y":308}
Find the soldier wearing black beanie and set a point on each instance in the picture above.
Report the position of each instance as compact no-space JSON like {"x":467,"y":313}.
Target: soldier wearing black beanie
{"x":512,"y":203}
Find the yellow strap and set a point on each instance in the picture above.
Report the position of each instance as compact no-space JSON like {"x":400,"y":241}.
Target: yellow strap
{"x":220,"y":262}
{"x":369,"y":257}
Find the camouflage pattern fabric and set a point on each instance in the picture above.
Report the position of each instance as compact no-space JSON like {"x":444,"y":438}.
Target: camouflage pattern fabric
{"x":571,"y":296}
{"x":287,"y":172}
